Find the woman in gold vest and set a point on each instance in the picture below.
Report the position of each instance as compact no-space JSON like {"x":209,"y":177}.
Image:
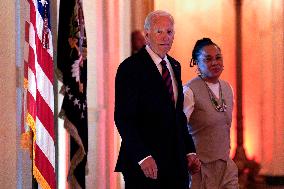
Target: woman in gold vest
{"x":208,"y":105}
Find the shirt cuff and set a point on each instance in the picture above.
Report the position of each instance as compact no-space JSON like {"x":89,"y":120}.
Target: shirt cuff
{"x":190,"y":154}
{"x":143,"y":160}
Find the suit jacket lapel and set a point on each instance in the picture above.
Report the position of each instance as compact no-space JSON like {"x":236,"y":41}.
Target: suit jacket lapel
{"x":175,"y":67}
{"x":177,"y":71}
{"x":150,"y":66}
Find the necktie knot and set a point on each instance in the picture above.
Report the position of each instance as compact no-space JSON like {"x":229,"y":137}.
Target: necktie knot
{"x":163,"y":63}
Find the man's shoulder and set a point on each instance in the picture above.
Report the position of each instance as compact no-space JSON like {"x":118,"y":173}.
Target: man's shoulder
{"x":133,"y":62}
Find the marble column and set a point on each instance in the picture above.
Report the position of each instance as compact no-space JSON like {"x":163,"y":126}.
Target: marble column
{"x":8,"y":86}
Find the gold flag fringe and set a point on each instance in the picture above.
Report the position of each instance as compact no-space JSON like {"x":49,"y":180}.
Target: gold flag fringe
{"x":38,"y":176}
{"x":78,"y":156}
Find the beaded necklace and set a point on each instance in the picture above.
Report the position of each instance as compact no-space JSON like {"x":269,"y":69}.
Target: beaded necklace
{"x":218,"y":107}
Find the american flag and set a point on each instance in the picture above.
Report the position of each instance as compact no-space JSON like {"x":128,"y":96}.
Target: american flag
{"x":39,"y":97}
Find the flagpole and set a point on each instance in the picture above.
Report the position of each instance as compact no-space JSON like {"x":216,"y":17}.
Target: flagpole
{"x":34,"y":183}
{"x":240,"y":158}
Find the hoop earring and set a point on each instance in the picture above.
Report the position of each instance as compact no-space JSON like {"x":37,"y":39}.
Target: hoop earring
{"x":192,"y":62}
{"x":197,"y":71}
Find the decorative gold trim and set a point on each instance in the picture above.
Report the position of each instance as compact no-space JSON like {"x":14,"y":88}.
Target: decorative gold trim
{"x":27,"y":141}
{"x":40,"y":179}
{"x":32,"y":133}
{"x":74,"y":183}
{"x":61,"y":114}
{"x":58,"y":74}
{"x":26,"y":83}
{"x":78,"y":156}
{"x":31,"y":122}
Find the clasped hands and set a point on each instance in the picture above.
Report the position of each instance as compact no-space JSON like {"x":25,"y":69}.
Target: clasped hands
{"x":150,"y":169}
{"x":193,"y":163}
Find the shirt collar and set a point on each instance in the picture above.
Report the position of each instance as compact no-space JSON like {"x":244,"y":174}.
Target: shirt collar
{"x":157,"y":60}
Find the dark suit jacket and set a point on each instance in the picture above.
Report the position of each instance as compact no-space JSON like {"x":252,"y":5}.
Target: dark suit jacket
{"x":147,"y":120}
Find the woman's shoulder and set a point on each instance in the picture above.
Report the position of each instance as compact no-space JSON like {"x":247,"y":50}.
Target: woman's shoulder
{"x":193,"y":81}
{"x":225,"y":83}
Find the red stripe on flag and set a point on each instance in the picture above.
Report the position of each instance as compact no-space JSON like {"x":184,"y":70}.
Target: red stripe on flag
{"x":44,"y":60}
{"x":32,"y":60}
{"x":31,"y":105}
{"x":27,"y":27}
{"x":45,"y":167}
{"x":32,"y":13}
{"x":45,"y":115}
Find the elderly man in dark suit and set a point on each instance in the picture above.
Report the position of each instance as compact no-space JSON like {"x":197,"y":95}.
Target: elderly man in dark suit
{"x":156,"y":150}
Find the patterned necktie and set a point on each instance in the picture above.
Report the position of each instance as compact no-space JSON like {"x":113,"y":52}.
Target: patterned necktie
{"x":167,"y":79}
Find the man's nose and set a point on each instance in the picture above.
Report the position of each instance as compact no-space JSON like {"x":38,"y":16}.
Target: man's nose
{"x":165,"y":37}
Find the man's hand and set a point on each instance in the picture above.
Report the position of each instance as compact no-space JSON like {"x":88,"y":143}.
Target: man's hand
{"x":193,"y":163}
{"x":149,"y":168}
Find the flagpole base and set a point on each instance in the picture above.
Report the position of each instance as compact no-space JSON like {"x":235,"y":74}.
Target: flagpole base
{"x":247,"y":169}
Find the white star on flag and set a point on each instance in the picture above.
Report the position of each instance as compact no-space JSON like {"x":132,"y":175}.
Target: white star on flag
{"x":67,"y":88}
{"x":76,"y":102}
{"x":70,"y":96}
{"x":43,"y":2}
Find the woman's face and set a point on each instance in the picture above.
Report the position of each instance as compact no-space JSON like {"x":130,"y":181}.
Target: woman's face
{"x":210,"y":62}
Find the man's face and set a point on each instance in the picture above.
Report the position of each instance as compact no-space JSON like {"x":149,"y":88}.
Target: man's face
{"x":160,"y":36}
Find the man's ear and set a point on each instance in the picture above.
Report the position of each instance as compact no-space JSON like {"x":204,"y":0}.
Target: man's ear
{"x":145,"y":32}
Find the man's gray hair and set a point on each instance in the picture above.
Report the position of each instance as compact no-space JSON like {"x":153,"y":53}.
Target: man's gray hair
{"x":152,"y":15}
